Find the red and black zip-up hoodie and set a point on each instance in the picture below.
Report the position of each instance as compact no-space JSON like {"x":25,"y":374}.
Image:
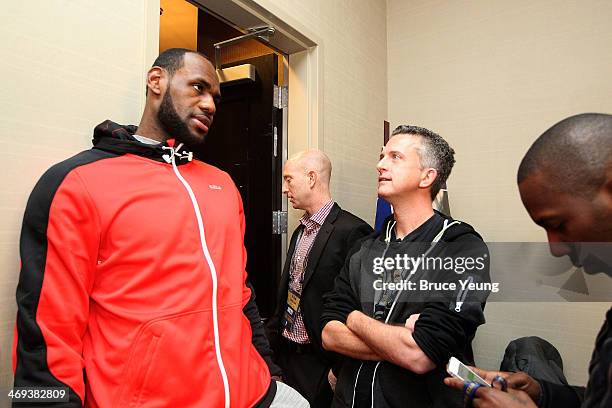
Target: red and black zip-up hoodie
{"x":132,"y":282}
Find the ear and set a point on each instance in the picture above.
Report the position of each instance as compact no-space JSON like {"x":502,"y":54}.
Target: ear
{"x":156,"y":80}
{"x":428,"y":176}
{"x":606,"y":189}
{"x":312,"y":178}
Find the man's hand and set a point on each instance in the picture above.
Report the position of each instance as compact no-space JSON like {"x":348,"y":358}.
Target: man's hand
{"x":493,"y":398}
{"x":516,"y":381}
{"x":393,"y":343}
{"x":338,"y":338}
{"x":411,"y":321}
{"x":523,"y":382}
{"x":332,"y":380}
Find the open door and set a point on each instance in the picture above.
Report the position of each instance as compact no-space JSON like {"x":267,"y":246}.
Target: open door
{"x":246,"y":142}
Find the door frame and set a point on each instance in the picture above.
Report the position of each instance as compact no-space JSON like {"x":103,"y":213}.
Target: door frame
{"x":303,"y":129}
{"x":304,"y":48}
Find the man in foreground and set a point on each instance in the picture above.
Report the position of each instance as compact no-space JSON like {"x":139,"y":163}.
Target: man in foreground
{"x":132,"y":286}
{"x":369,"y":317}
{"x":317,"y":251}
{"x":565,"y":182}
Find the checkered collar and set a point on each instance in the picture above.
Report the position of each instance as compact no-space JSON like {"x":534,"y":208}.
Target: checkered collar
{"x":313,"y":222}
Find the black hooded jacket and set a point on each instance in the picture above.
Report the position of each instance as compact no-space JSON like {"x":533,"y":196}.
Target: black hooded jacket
{"x":447,"y":322}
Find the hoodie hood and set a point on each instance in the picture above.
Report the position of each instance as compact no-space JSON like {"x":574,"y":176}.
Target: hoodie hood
{"x":119,"y":139}
{"x":453,"y":233}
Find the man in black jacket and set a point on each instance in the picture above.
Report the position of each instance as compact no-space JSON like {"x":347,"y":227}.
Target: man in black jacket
{"x":565,"y":182}
{"x":397,"y":333}
{"x":316,"y":253}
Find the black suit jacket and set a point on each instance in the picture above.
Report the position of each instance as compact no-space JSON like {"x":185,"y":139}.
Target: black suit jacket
{"x":340,"y":231}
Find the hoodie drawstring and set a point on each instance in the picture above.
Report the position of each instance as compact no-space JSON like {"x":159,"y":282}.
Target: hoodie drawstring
{"x":434,"y":241}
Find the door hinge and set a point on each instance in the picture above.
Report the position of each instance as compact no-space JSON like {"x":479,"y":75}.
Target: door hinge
{"x":281,"y":97}
{"x":275,"y":142}
{"x":279,"y":222}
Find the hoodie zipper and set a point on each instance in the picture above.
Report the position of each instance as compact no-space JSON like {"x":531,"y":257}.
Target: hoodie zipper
{"x":211,"y":266}
{"x":434,"y":242}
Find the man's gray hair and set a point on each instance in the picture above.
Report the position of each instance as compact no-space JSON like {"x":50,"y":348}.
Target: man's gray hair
{"x":434,"y":153}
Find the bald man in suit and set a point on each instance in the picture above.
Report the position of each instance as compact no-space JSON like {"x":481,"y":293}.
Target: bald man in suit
{"x":317,"y":251}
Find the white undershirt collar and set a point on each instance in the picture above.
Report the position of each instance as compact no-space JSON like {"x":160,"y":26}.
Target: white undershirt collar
{"x":146,"y":140}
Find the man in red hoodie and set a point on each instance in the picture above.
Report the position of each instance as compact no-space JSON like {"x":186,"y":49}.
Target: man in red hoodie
{"x":132,"y":287}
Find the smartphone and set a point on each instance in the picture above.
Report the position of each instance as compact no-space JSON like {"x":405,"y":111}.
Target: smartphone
{"x":459,"y":370}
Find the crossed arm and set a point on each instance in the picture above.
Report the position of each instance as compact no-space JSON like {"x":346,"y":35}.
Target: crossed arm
{"x":349,"y":332}
{"x":440,"y":332}
{"x":365,"y":338}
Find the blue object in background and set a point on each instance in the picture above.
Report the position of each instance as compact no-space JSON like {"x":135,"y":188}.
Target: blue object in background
{"x":383,"y":210}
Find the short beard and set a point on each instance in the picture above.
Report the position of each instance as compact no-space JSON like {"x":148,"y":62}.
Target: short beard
{"x":173,"y":125}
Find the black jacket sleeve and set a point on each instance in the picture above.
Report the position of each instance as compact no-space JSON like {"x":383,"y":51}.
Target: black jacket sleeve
{"x":560,"y":396}
{"x":441,"y":333}
{"x":356,"y":236}
{"x":259,"y":339}
{"x":445,"y":328}
{"x":340,"y":302}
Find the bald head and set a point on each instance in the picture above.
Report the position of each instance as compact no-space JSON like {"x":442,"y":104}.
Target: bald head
{"x":306,"y":180}
{"x":574,"y":155}
{"x":314,"y":160}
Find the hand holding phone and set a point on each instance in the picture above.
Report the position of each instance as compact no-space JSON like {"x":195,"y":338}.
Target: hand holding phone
{"x":459,"y":370}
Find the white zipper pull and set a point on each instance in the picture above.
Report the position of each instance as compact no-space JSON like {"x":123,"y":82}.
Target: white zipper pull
{"x":463,"y":294}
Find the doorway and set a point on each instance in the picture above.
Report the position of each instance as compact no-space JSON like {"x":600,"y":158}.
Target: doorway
{"x":246,"y":139}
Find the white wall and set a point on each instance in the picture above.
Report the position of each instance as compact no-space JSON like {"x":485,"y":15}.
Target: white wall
{"x":354,"y":90}
{"x":66,"y":66}
{"x":490,"y":76}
